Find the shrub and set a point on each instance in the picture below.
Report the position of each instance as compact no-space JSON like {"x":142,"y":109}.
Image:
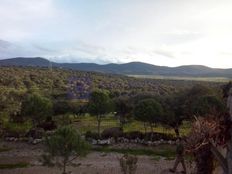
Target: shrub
{"x":134,"y":135}
{"x":65,"y":143}
{"x":114,"y":132}
{"x":128,"y":164}
{"x":158,"y":136}
{"x":17,"y":129}
{"x":91,"y":135}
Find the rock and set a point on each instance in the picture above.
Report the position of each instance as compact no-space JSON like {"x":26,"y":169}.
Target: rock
{"x":36,"y":141}
{"x":94,"y":142}
{"x":36,"y":133}
{"x":104,"y":142}
{"x":114,"y":132}
{"x":11,"y":139}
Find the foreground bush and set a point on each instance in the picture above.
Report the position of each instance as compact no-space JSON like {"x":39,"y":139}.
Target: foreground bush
{"x":17,"y":129}
{"x":63,"y":147}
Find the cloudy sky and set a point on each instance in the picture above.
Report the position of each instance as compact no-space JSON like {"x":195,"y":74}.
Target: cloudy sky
{"x":161,"y":32}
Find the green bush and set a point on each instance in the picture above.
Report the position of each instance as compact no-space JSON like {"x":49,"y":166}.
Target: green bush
{"x":17,"y":129}
{"x":14,"y":166}
{"x":4,"y":119}
{"x":91,"y":135}
{"x":63,"y":147}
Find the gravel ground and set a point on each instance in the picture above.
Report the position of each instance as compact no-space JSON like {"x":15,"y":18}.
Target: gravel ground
{"x":94,"y":163}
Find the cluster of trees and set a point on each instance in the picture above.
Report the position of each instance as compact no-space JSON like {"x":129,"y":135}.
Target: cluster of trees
{"x":169,"y":110}
{"x":37,"y":94}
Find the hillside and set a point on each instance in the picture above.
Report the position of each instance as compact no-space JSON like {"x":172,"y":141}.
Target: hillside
{"x":132,"y":68}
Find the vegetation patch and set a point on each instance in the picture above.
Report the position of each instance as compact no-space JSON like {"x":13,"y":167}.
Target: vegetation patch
{"x":4,"y":149}
{"x":14,"y":166}
{"x":18,"y":128}
{"x":166,"y":152}
{"x":156,"y":158}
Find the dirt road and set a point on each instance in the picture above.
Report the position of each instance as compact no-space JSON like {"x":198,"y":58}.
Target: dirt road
{"x":94,"y":163}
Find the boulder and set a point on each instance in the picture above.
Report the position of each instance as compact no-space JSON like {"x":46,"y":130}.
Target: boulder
{"x":36,"y":133}
{"x":113,"y":132}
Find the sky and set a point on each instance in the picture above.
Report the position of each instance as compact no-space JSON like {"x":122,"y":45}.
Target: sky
{"x":160,"y":32}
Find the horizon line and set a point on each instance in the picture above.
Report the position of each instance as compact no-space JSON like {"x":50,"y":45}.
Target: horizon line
{"x":48,"y":59}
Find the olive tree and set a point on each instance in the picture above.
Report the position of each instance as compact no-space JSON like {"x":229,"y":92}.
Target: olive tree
{"x":173,"y":112}
{"x":64,"y":146}
{"x":37,"y":108}
{"x":148,"y":111}
{"x":208,"y":104}
{"x":123,"y":110}
{"x":100,"y":104}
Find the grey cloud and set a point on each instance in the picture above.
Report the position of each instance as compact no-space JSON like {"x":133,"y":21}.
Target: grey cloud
{"x":5,"y":44}
{"x":165,"y":53}
{"x":88,"y":49}
{"x":77,"y":59}
{"x":44,"y":49}
{"x":8,"y":49}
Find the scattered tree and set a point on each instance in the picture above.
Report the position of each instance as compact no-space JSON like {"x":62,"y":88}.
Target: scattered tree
{"x":208,"y":105}
{"x":173,"y":112}
{"x":100,"y":104}
{"x":123,"y":110}
{"x":148,"y":111}
{"x":37,"y":108}
{"x":64,"y":146}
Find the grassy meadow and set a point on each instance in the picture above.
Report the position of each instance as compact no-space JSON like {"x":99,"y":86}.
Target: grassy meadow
{"x":201,"y":79}
{"x":89,"y":123}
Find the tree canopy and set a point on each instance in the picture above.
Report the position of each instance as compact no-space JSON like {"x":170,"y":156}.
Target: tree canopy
{"x":37,"y":108}
{"x":64,"y":146}
{"x":100,"y":104}
{"x":148,"y":110}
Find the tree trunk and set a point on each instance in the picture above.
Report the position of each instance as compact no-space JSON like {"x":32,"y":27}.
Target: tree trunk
{"x":218,"y":156}
{"x":151,"y":125}
{"x":145,"y":128}
{"x":98,"y":125}
{"x":176,"y":129}
{"x":122,"y":121}
{"x":64,"y":167}
{"x":204,"y":160}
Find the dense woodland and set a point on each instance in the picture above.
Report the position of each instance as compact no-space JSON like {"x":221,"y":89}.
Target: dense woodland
{"x":67,"y":90}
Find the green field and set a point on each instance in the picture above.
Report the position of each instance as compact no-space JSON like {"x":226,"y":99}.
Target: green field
{"x":206,"y":79}
{"x":167,"y":151}
{"x":89,"y":123}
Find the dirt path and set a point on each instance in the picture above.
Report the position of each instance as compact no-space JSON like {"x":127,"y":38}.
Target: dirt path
{"x":94,"y":163}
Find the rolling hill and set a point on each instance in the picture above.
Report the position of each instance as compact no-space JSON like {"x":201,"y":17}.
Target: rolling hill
{"x":132,"y":68}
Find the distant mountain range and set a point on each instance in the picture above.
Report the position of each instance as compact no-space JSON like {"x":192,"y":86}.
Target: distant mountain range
{"x":132,"y":68}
